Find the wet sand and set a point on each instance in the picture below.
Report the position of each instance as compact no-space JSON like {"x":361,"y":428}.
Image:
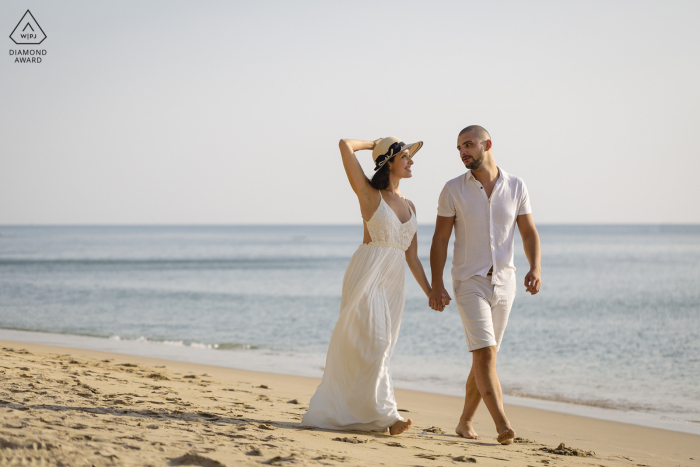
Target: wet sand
{"x":75,"y":407}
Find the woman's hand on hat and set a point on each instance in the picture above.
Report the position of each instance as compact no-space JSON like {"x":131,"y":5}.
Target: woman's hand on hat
{"x":376,"y":142}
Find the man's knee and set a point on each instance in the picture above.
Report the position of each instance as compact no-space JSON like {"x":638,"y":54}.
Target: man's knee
{"x":484,"y":356}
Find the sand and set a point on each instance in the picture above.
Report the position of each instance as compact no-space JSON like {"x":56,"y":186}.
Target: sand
{"x":73,"y":407}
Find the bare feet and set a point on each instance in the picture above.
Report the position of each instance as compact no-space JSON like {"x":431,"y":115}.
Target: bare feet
{"x":400,"y":426}
{"x":467,"y":431}
{"x":506,"y":436}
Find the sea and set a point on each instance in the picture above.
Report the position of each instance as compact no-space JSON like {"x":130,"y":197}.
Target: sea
{"x":613,"y":334}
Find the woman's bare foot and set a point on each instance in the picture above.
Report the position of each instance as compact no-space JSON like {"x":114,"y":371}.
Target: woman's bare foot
{"x":506,"y":436}
{"x":400,"y":426}
{"x":467,"y":431}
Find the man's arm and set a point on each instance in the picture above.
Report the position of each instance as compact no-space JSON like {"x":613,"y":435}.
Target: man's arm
{"x":531,"y":245}
{"x":438,"y":256}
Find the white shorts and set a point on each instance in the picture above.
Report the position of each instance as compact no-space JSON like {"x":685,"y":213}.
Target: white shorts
{"x":484,"y":309}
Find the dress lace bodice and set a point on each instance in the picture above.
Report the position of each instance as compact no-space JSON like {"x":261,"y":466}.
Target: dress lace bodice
{"x":387,"y":230}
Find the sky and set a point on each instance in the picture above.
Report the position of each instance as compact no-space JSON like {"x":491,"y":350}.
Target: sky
{"x":222,"y":112}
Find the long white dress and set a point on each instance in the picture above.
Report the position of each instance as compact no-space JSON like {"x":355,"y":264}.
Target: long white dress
{"x":356,"y":392}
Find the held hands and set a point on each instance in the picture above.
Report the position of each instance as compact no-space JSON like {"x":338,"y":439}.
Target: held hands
{"x":532,"y":281}
{"x":439,"y":298}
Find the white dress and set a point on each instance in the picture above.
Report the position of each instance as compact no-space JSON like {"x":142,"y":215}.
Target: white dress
{"x":356,"y":392}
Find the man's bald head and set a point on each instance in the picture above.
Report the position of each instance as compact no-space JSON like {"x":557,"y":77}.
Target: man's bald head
{"x":478,"y":131}
{"x":474,"y":146}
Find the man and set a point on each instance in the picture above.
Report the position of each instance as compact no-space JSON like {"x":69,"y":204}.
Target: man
{"x":483,"y":205}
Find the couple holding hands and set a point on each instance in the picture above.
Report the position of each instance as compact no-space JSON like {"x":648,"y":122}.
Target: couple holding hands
{"x":483,"y":206}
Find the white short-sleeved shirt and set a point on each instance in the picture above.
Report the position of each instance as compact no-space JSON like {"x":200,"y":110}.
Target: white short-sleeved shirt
{"x":484,"y":227}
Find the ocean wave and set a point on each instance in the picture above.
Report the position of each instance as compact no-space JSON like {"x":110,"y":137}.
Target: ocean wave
{"x":259,"y":261}
{"x":191,"y":344}
{"x":625,"y":406}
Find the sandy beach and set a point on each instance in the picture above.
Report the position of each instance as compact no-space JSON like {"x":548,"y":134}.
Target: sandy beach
{"x":74,"y":407}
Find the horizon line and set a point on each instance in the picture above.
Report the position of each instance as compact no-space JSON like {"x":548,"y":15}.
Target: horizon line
{"x":583,"y":224}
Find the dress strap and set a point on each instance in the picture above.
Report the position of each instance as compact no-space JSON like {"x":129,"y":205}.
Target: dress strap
{"x":409,"y":205}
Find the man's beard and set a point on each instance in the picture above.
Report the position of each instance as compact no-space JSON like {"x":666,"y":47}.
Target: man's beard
{"x":475,"y":163}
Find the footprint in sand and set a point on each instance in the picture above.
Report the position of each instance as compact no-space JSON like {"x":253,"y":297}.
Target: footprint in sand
{"x":562,"y":450}
{"x":329,"y":457}
{"x":354,"y":440}
{"x":254,"y":452}
{"x":192,"y":458}
{"x":279,"y":460}
{"x":158,"y":377}
{"x":120,"y":402}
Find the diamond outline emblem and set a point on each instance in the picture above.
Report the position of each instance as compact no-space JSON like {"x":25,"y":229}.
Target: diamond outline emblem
{"x":31,"y":22}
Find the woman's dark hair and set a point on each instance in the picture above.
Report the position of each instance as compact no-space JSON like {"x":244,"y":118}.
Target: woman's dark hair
{"x":380,"y":180}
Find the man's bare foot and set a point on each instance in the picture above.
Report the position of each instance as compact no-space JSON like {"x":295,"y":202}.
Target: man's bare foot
{"x":506,"y":436}
{"x":467,"y":431}
{"x":400,"y":426}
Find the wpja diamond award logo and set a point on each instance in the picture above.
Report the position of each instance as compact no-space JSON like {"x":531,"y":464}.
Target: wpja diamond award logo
{"x":28,"y":32}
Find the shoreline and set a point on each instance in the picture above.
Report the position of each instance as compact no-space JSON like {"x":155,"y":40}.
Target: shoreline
{"x":282,"y":363}
{"x":87,"y":407}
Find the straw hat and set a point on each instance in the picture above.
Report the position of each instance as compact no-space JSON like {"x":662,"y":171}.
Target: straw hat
{"x":389,"y":147}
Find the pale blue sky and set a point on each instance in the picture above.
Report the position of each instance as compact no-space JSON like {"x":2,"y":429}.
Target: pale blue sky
{"x":230,"y":112}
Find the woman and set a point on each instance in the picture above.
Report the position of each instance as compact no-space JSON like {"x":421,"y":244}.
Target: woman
{"x":356,"y":392}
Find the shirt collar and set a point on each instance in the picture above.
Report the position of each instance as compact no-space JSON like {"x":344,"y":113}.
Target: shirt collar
{"x":502,"y":175}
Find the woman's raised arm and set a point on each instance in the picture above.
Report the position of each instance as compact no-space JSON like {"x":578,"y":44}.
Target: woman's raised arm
{"x":353,"y":169}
